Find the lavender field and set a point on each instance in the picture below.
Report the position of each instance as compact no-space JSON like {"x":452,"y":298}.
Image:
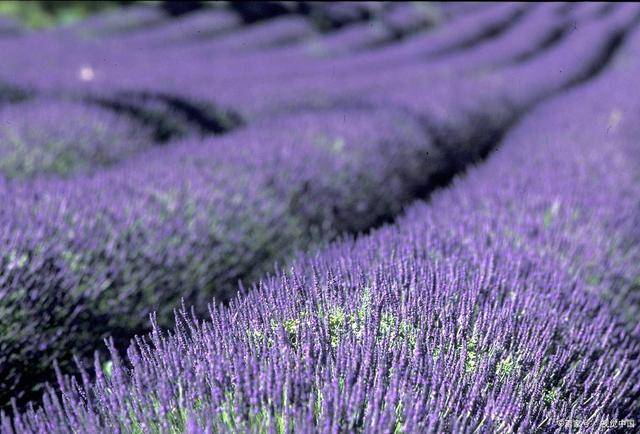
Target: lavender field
{"x":298,"y":217}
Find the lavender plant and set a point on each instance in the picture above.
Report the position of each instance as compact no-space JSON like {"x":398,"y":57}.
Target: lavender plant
{"x":60,"y":138}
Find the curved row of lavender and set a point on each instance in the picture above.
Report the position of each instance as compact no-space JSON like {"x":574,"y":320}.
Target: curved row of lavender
{"x":60,"y":137}
{"x":92,"y":256}
{"x":508,"y":303}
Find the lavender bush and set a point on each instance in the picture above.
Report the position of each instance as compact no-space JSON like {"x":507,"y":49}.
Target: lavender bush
{"x":60,"y":137}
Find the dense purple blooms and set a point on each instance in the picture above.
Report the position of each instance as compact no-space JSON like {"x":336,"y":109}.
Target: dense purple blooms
{"x":61,"y":137}
{"x":490,"y":308}
{"x":111,"y":247}
{"x":508,"y":302}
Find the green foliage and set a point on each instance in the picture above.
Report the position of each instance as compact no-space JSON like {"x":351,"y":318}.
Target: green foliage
{"x":507,"y":367}
{"x":399,"y":424}
{"x":549,"y":396}
{"x":550,"y":214}
{"x":291,"y":328}
{"x":264,"y":419}
{"x":318,"y":405}
{"x":339,"y":323}
{"x":337,"y":320}
{"x":471,"y":361}
{"x":39,"y":14}
{"x":402,"y":331}
{"x":107,"y":368}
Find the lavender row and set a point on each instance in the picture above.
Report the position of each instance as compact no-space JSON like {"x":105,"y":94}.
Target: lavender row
{"x":269,"y":95}
{"x":311,"y":57}
{"x":81,"y":70}
{"x":105,"y":56}
{"x":461,"y":9}
{"x":491,"y":308}
{"x":150,"y":25}
{"x":65,"y":55}
{"x":191,"y":27}
{"x":262,"y":98}
{"x":256,"y":98}
{"x":94,"y":254}
{"x":114,"y":22}
{"x":50,"y":137}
